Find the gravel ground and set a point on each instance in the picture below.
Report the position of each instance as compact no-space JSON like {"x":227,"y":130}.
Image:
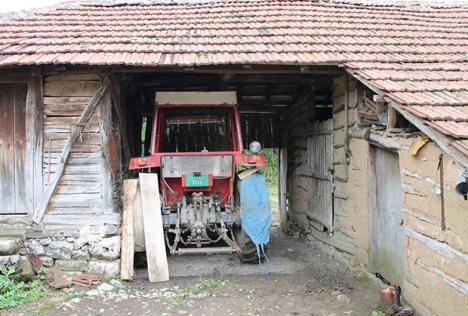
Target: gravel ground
{"x":298,"y":280}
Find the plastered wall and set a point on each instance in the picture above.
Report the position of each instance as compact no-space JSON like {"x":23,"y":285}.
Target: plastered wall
{"x":435,"y":261}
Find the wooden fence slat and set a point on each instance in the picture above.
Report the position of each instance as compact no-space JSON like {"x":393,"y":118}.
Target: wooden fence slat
{"x":129,"y":189}
{"x":158,"y":270}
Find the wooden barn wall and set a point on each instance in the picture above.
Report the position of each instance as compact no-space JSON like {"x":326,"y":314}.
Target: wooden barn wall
{"x":80,"y":230}
{"x":85,"y":185}
{"x":298,"y":121}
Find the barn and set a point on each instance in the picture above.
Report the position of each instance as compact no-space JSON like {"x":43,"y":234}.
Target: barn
{"x":367,"y":104}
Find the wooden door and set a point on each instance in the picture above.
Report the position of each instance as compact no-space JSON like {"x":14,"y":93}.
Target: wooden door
{"x":12,"y":148}
{"x":320,"y":164}
{"x":385,"y":231}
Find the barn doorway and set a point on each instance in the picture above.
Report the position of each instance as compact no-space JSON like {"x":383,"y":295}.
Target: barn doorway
{"x":289,"y":112}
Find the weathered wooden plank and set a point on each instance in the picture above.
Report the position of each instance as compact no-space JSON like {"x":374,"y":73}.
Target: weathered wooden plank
{"x":35,"y":125}
{"x":7,"y":133}
{"x":78,"y":148}
{"x":73,"y":189}
{"x":154,"y":235}
{"x":86,"y":115}
{"x":66,"y":101}
{"x":89,"y":138}
{"x":69,"y":120}
{"x":76,"y":210}
{"x":87,"y":199}
{"x":73,"y":77}
{"x":70,"y":88}
{"x":13,"y":165}
{"x":75,"y":169}
{"x":129,"y":189}
{"x":97,"y":220}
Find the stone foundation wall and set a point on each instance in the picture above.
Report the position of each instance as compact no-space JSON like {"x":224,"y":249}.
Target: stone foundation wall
{"x":72,"y":249}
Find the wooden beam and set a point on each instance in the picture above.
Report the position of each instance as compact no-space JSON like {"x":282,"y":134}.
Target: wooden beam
{"x":158,"y":270}
{"x":129,"y":190}
{"x":283,"y":179}
{"x":85,"y":116}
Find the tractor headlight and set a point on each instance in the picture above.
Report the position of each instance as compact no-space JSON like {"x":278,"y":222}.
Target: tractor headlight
{"x":255,"y":147}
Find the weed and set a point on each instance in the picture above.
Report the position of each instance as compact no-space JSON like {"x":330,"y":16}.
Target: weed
{"x":192,"y":289}
{"x":376,"y":311}
{"x":176,"y":301}
{"x":118,"y":284}
{"x":75,"y":293}
{"x":14,"y":292}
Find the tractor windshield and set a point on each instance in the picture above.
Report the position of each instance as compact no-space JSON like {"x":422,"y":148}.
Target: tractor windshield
{"x":195,"y":130}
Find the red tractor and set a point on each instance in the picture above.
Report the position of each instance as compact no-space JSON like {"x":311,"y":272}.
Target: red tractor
{"x":196,"y":147}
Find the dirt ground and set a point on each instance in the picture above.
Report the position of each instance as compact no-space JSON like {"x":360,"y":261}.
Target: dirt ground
{"x":298,"y":280}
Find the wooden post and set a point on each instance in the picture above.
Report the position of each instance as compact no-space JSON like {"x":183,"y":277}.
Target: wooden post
{"x":283,"y":178}
{"x":158,"y":270}
{"x":130,"y":187}
{"x":85,"y":116}
{"x":442,"y":199}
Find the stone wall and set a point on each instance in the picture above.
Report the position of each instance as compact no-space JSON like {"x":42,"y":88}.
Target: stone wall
{"x":72,"y":249}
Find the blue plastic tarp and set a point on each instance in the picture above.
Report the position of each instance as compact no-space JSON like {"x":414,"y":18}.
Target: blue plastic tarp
{"x":255,"y":209}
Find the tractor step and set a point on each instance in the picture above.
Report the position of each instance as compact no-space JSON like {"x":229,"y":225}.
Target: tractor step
{"x":205,"y":251}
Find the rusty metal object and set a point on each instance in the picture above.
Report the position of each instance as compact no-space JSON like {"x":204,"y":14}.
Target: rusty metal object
{"x":86,"y":279}
{"x":388,"y":299}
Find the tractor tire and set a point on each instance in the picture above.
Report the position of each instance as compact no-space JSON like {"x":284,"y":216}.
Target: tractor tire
{"x":248,"y":253}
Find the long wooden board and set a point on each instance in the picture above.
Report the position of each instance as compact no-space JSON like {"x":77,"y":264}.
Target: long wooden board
{"x":129,"y":188}
{"x":156,"y":256}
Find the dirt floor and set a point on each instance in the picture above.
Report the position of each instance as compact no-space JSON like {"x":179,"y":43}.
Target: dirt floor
{"x":298,"y":280}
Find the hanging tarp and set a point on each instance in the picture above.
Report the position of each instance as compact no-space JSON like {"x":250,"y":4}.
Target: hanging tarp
{"x":255,"y":209}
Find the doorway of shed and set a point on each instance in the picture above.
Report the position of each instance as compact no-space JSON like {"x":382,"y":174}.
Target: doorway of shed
{"x":286,"y":111}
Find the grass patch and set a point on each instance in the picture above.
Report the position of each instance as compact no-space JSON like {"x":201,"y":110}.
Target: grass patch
{"x":14,"y":292}
{"x":376,"y":311}
{"x":178,"y":299}
{"x":119,"y":285}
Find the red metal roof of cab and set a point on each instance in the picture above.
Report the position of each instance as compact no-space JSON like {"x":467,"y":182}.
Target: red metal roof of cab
{"x":417,"y":55}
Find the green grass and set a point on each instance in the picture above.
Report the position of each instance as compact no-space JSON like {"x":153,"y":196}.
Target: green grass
{"x":178,"y":299}
{"x":376,"y":311}
{"x":14,"y":292}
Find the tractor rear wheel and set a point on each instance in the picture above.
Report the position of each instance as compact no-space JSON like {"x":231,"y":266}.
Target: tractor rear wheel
{"x":248,"y":251}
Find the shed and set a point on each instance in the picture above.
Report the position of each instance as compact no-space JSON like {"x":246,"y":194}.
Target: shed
{"x":368,"y":104}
